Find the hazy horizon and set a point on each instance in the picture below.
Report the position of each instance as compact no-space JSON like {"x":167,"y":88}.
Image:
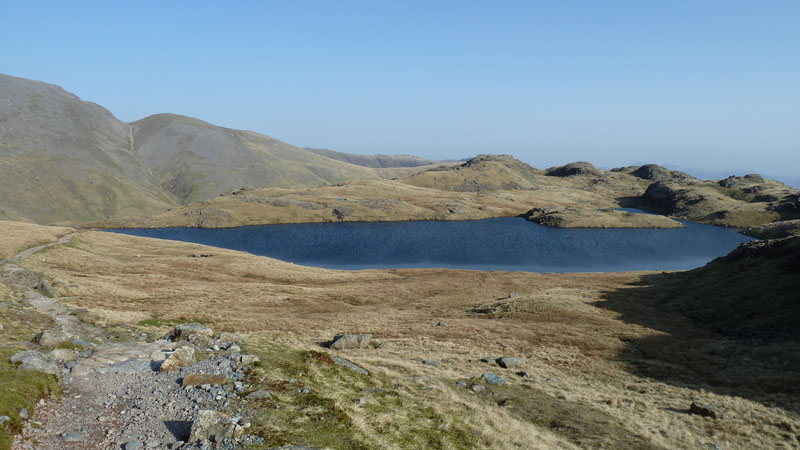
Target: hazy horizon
{"x":703,"y":87}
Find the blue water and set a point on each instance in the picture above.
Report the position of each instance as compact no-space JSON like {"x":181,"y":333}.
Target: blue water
{"x":491,"y":244}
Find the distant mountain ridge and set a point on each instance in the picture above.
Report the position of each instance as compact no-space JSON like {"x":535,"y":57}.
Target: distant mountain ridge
{"x":376,"y":161}
{"x":63,"y":159}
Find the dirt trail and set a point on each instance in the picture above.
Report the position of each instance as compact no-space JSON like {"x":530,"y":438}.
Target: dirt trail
{"x":113,"y":394}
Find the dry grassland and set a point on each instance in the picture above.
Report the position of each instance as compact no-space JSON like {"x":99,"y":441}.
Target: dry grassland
{"x":582,"y":357}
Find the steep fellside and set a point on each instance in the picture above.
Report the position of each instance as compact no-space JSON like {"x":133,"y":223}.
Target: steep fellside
{"x":63,"y":159}
{"x":752,"y":292}
{"x":196,"y":160}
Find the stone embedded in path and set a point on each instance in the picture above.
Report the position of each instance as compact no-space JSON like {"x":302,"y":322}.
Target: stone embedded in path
{"x":33,"y":360}
{"x":182,"y":357}
{"x":184,"y":330}
{"x":347,"y":341}
{"x":492,"y":378}
{"x":133,"y":445}
{"x":214,"y":426}
{"x":199,"y":379}
{"x":73,"y":437}
{"x":510,"y":362}
{"x":705,"y":411}
{"x":51,"y":338}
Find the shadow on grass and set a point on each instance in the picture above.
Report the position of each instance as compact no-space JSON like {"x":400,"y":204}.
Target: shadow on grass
{"x":706,"y":342}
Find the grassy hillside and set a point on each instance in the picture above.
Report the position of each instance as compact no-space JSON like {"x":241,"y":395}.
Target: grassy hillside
{"x":63,"y":159}
{"x":580,"y":336}
{"x":195,"y":160}
{"x":66,"y":160}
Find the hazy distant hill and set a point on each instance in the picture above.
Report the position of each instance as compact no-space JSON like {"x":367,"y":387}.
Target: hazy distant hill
{"x":67,"y":160}
{"x":376,"y":161}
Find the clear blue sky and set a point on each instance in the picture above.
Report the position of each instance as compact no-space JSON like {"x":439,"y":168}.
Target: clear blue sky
{"x":701,"y":84}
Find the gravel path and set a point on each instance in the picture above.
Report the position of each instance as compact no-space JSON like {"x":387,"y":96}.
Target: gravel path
{"x":114,"y":395}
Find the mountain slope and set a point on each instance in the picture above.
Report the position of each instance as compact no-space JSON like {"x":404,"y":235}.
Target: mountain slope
{"x":67,"y":160}
{"x":196,"y":160}
{"x":63,"y":159}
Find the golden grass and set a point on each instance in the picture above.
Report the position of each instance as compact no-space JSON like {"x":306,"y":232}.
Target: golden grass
{"x":18,"y":236}
{"x":577,"y":350}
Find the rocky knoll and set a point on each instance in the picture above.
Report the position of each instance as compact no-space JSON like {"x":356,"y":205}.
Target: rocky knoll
{"x":735,"y":201}
{"x":598,"y":218}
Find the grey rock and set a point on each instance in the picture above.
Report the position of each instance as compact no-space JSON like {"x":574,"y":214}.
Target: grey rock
{"x":62,"y":355}
{"x":45,"y":288}
{"x":214,"y":426}
{"x":462,"y":384}
{"x":82,"y":343}
{"x":184,"y":330}
{"x":1,"y":327}
{"x":182,"y":357}
{"x":246,"y":360}
{"x":234,"y":348}
{"x":258,"y":395}
{"x":349,"y":365}
{"x":227,"y":338}
{"x":51,"y":338}
{"x":510,"y":362}
{"x":133,"y":445}
{"x":488,"y":359}
{"x":705,"y":411}
{"x":476,"y":388}
{"x":430,"y":362}
{"x":73,"y":437}
{"x":492,"y":378}
{"x":4,"y":419}
{"x":304,"y":391}
{"x":360,"y":401}
{"x":347,"y":341}
{"x":200,"y":340}
{"x":33,"y":360}
{"x":23,"y":413}
{"x":523,"y":374}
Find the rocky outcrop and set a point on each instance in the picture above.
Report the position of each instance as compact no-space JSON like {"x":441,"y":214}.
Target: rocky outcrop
{"x":775,"y":230}
{"x":654,"y":172}
{"x":573,"y":169}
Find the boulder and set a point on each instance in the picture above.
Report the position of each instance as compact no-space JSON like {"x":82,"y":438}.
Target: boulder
{"x":51,"y":338}
{"x":258,"y":395}
{"x":347,"y":341}
{"x":33,"y":360}
{"x":704,"y":410}
{"x":349,"y":365}
{"x":492,"y":378}
{"x":654,"y":172}
{"x":226,"y":338}
{"x":45,"y":288}
{"x":214,"y":426}
{"x":62,"y":355}
{"x":199,"y":379}
{"x":184,"y":330}
{"x":182,"y":357}
{"x":246,"y":360}
{"x":510,"y":362}
{"x":200,"y":340}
